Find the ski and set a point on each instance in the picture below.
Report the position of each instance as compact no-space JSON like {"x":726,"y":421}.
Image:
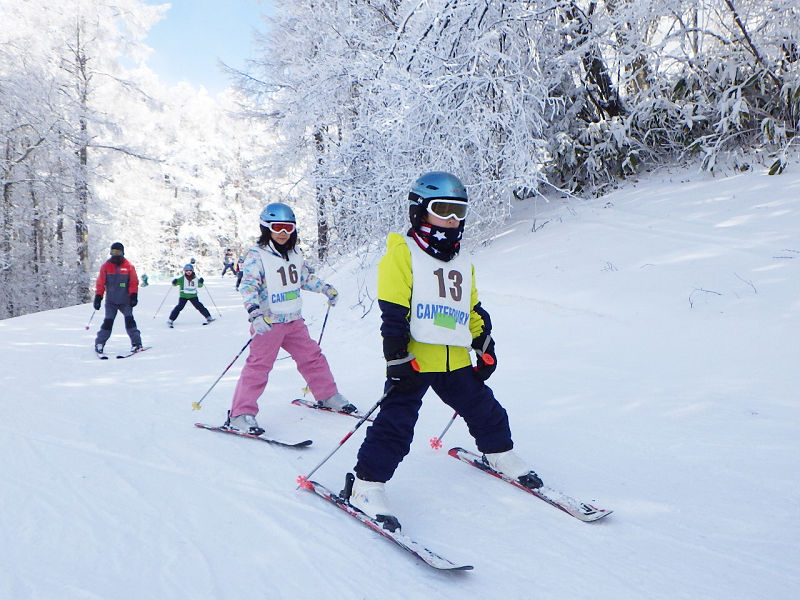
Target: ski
{"x":315,"y":406}
{"x":132,"y":353}
{"x":261,"y":438}
{"x":580,"y":510}
{"x":406,"y":543}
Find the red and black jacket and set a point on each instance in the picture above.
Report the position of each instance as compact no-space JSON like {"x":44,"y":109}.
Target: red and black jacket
{"x":118,"y":282}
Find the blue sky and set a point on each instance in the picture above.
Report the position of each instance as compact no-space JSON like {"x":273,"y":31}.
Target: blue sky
{"x":195,"y":34}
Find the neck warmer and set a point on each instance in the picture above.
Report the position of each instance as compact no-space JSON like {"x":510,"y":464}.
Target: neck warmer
{"x":281,"y":249}
{"x":439,"y":242}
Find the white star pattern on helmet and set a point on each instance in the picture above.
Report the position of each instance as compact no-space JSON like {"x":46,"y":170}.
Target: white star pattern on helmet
{"x":439,"y":235}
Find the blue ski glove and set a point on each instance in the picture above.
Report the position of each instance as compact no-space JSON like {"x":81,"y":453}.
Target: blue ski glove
{"x":97,"y":300}
{"x":134,"y":299}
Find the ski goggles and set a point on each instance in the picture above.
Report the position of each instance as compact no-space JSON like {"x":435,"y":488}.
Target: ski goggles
{"x":448,"y":209}
{"x":280,"y":227}
{"x":116,"y":252}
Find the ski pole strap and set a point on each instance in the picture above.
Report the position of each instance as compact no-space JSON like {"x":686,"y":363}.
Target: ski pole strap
{"x":485,"y":346}
{"x":487,"y":358}
{"x":400,"y":361}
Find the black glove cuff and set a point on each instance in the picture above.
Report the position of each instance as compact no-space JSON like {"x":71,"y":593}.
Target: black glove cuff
{"x":394,"y":347}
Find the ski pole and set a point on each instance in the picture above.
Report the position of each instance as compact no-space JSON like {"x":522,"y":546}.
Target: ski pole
{"x":90,"y":320}
{"x":196,"y":405}
{"x":162,"y":302}
{"x":325,"y":322}
{"x":302,"y":480}
{"x":327,"y":312}
{"x":436,"y":442}
{"x":205,"y":287}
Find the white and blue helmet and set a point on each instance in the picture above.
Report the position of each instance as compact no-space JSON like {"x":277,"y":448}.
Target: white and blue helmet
{"x":276,"y":211}
{"x":432,"y":186}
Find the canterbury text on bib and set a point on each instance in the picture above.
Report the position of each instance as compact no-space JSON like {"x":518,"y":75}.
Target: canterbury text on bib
{"x":440,"y":299}
{"x":283,"y":282}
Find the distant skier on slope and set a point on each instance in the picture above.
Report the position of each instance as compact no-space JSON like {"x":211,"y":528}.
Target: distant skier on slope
{"x":117,"y":280}
{"x":274,"y":273}
{"x":189,"y":285}
{"x":431,"y":317}
{"x":239,"y":272}
{"x":227,"y":263}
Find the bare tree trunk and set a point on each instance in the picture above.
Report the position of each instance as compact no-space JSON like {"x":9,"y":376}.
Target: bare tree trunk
{"x":82,"y":80}
{"x":601,"y":88}
{"x":37,"y":257}
{"x":322,"y":193}
{"x":5,"y":241}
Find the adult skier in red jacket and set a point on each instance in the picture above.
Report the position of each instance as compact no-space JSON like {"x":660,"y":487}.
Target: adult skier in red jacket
{"x":120,"y":285}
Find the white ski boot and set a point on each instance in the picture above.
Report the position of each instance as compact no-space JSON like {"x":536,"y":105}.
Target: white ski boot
{"x":338,"y":402}
{"x":245,"y":424}
{"x":370,"y":498}
{"x":511,"y":465}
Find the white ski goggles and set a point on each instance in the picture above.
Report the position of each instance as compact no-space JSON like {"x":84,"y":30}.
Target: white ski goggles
{"x":280,"y":227}
{"x":448,"y":209}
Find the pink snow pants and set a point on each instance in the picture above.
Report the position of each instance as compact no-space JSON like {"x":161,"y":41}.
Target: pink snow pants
{"x":292,"y":337}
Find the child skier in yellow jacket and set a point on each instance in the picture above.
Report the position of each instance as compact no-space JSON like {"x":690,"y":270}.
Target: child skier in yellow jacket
{"x":431,"y":318}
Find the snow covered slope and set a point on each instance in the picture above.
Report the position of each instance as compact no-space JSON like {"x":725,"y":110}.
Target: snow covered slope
{"x":648,"y":358}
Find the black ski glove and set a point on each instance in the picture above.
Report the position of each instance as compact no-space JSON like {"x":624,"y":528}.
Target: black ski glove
{"x":403,"y":372}
{"x":402,"y":369}
{"x":487,"y":359}
{"x":134,"y":299}
{"x":97,"y":300}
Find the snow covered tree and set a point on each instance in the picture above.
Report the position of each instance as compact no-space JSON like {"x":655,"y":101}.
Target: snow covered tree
{"x":55,"y":137}
{"x":515,"y":96}
{"x":369,"y":95}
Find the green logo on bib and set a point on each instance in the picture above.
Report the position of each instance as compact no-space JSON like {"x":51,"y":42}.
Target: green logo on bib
{"x":442,"y":320}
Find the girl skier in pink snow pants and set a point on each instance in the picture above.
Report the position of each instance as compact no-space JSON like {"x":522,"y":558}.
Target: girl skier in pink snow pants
{"x":274,"y":273}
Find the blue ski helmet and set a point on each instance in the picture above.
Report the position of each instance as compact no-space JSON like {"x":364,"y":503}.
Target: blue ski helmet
{"x":277,"y":211}
{"x":188,"y":268}
{"x":431,"y":186}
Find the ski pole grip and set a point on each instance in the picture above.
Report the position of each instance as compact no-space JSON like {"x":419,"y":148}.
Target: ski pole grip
{"x":487,"y":358}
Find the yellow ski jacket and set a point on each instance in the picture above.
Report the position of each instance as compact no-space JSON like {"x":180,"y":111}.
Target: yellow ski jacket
{"x":395,"y":282}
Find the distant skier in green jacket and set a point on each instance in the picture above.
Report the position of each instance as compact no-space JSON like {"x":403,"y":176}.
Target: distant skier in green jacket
{"x":188,"y":284}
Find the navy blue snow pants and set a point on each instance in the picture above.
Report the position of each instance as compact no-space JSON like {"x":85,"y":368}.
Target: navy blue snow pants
{"x":388,"y":439}
{"x":182,"y":302}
